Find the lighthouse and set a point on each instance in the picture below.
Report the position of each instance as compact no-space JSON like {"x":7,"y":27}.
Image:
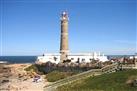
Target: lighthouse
{"x":64,"y":49}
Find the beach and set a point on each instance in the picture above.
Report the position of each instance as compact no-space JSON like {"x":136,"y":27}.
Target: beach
{"x":13,"y":77}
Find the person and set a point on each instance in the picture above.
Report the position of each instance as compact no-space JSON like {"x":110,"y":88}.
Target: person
{"x":37,"y":79}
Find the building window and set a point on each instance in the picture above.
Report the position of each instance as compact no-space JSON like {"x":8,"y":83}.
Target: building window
{"x":55,"y":58}
{"x":83,"y":59}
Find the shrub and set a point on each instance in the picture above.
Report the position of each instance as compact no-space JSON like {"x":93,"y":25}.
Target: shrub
{"x":33,"y":67}
{"x":56,"y":75}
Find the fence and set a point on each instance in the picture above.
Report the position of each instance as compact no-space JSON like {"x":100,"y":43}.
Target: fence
{"x":93,"y":72}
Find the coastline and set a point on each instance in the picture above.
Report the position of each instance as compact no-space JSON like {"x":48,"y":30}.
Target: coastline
{"x":13,"y":77}
{"x":19,"y":59}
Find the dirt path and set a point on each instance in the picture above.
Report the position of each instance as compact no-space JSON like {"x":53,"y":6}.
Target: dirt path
{"x":21,"y":84}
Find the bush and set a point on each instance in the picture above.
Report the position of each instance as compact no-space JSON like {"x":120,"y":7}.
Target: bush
{"x":33,"y":68}
{"x":56,"y":75}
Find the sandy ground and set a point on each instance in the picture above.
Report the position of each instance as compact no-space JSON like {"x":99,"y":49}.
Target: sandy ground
{"x":21,"y":84}
{"x":27,"y":85}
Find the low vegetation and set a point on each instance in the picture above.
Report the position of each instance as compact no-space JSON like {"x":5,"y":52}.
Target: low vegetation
{"x":36,"y":69}
{"x":119,"y":81}
{"x":56,"y":75}
{"x":51,"y":76}
{"x":32,"y":67}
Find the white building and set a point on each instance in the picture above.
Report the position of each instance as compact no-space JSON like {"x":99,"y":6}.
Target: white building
{"x":74,"y":57}
{"x":134,"y":56}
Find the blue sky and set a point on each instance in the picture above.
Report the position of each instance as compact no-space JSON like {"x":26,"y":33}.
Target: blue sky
{"x":32,"y":27}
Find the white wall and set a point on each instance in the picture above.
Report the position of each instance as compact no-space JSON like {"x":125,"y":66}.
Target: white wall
{"x":83,"y":57}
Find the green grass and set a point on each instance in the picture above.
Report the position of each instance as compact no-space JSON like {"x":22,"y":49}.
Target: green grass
{"x":56,"y":75}
{"x":52,"y":76}
{"x":119,"y":81}
{"x":35,"y":68}
{"x":31,"y":68}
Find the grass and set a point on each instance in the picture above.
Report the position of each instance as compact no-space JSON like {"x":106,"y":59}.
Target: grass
{"x":119,"y":81}
{"x":36,"y":68}
{"x":56,"y":75}
{"x":31,"y":68}
{"x":51,"y":76}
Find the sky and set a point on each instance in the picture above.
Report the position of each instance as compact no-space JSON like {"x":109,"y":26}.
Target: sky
{"x":32,"y":27}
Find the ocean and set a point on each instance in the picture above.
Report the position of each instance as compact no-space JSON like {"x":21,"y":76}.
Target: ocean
{"x":32,"y":59}
{"x":18,"y":59}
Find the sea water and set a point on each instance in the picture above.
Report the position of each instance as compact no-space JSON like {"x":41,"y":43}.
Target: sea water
{"x":18,"y":59}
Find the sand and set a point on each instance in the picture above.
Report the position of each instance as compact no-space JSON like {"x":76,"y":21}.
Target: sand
{"x":25,"y":83}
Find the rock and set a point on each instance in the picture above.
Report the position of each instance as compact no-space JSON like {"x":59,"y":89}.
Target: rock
{"x":135,"y":83}
{"x":5,"y":81}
